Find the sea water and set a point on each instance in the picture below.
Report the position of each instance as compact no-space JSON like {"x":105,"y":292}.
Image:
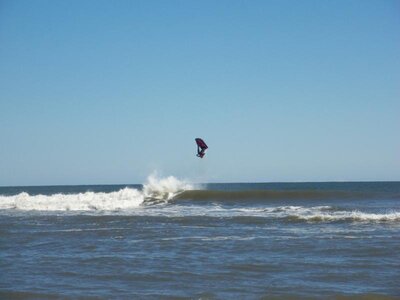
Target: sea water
{"x":171,"y":239}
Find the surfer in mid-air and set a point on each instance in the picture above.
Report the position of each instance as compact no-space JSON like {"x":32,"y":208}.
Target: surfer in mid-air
{"x":201,"y":147}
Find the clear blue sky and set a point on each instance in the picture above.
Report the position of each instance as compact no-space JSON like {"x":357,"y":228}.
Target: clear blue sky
{"x":109,"y":91}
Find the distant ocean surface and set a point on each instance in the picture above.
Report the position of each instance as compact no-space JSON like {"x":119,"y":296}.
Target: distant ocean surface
{"x":170,"y":239}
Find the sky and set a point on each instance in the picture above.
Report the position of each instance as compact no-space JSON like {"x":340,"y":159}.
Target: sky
{"x":108,"y":92}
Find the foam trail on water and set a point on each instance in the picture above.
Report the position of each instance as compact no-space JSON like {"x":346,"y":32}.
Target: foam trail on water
{"x":155,"y":190}
{"x":326,"y":214}
{"x":351,"y":216}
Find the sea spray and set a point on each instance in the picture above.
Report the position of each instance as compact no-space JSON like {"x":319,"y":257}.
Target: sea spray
{"x":163,"y":189}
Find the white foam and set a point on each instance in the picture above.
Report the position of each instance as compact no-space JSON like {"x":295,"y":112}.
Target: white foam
{"x":158,"y":190}
{"x":327,"y":214}
{"x":350,"y":216}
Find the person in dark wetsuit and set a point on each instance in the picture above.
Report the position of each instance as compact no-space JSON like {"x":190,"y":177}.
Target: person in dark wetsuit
{"x":201,"y":147}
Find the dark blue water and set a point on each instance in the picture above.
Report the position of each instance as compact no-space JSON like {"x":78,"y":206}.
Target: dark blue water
{"x":169,"y":239}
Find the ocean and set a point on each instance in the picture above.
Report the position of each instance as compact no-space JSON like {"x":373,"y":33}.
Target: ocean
{"x":171,"y":239}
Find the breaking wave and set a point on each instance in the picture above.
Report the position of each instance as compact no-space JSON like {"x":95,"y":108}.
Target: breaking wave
{"x":155,"y":191}
{"x":188,"y":201}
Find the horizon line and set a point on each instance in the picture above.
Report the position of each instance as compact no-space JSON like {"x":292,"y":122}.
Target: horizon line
{"x":221,"y":182}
